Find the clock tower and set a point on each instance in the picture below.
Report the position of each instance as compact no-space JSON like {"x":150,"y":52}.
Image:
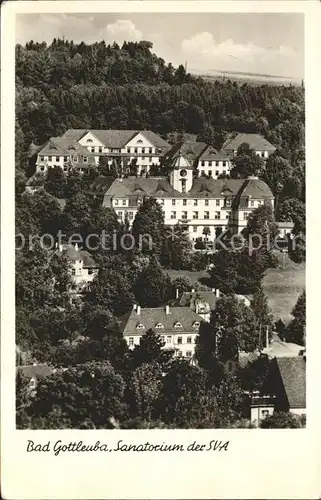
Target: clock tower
{"x":181,"y":176}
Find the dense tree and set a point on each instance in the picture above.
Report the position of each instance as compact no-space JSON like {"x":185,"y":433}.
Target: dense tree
{"x":85,"y":395}
{"x":293,"y":210}
{"x":262,"y":313}
{"x":56,"y":182}
{"x":295,"y":331}
{"x":282,"y":420}
{"x":152,"y":287}
{"x":246,"y":163}
{"x":176,"y":250}
{"x":150,"y":350}
{"x":148,"y":227}
{"x":145,"y":386}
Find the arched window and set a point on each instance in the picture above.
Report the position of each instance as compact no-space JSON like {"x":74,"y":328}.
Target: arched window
{"x":89,"y":140}
{"x":140,"y":326}
{"x":139,"y":141}
{"x":178,"y":325}
{"x":159,"y":325}
{"x":196,"y":324}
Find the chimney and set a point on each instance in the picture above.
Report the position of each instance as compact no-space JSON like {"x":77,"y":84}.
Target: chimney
{"x":217,"y":293}
{"x":135,"y":307}
{"x":138,"y":310}
{"x":177,"y":293}
{"x":167,"y":309}
{"x":213,"y":290}
{"x":60,"y":247}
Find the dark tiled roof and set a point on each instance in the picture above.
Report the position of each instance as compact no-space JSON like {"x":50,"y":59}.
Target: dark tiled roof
{"x":208,"y":297}
{"x":118,"y":138}
{"x":202,"y":188}
{"x":35,"y":371}
{"x":150,"y":317}
{"x":63,"y":146}
{"x":213,"y":155}
{"x":73,"y":255}
{"x":293,"y":375}
{"x":255,"y":141}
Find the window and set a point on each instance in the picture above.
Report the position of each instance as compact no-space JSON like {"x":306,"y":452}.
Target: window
{"x":173,"y":215}
{"x":42,"y":168}
{"x":183,"y":186}
{"x":195,"y":215}
{"x":189,"y":340}
{"x":161,"y":202}
{"x":65,"y":158}
{"x":130,"y":215}
{"x":49,"y":158}
{"x":131,"y":341}
{"x":262,"y":154}
{"x":217,"y":203}
{"x":194,"y":229}
{"x":116,"y":203}
{"x":217,"y":172}
{"x":41,"y":158}
{"x":57,"y":158}
{"x":206,"y":203}
{"x":159,"y":325}
{"x":173,"y":202}
{"x":150,"y":150}
{"x":202,"y":163}
{"x":245,"y":215}
{"x":184,"y":215}
{"x":188,"y":354}
{"x":92,"y":149}
{"x":195,"y":203}
{"x":184,"y":203}
{"x":65,"y":169}
{"x":89,"y":140}
{"x":210,"y":173}
{"x":178,"y":325}
{"x":217,"y":215}
{"x":162,"y":338}
{"x":168,"y":339}
{"x":85,"y":159}
{"x":265,"y":413}
{"x":100,"y":149}
{"x":209,"y":163}
{"x":73,"y":272}
{"x":139,"y":141}
{"x":252,"y":203}
{"x":120,"y":215}
{"x":179,"y":354}
{"x":224,"y":163}
{"x":196,"y":324}
{"x":135,"y":150}
{"x":203,"y":173}
{"x":140,"y":326}
{"x":228,"y":203}
{"x":75,"y":159}
{"x":206,"y":215}
{"x":179,"y":340}
{"x":227,"y":215}
{"x":124,"y":203}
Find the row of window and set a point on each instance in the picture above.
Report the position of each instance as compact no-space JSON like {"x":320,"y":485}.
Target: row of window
{"x":214,"y":163}
{"x":130,"y":215}
{"x":117,"y":203}
{"x":195,"y":215}
{"x":196,"y":324}
{"x":65,"y":158}
{"x":168,"y":340}
{"x":195,"y":202}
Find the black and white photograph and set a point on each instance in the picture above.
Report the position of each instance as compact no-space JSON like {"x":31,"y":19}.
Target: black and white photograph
{"x":160,"y":221}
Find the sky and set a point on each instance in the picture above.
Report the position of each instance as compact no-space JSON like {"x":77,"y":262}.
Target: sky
{"x":258,"y":43}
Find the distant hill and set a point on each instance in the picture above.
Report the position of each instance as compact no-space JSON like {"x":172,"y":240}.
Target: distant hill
{"x":251,"y":78}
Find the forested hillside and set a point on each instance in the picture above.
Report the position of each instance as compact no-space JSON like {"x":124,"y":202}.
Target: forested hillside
{"x":67,"y":85}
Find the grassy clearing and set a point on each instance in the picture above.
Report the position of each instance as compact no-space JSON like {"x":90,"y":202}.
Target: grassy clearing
{"x":282,"y":285}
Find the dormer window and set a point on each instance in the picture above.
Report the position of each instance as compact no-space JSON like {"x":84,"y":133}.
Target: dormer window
{"x":196,"y":324}
{"x":178,"y":325}
{"x":140,"y":326}
{"x":89,"y":140}
{"x":159,"y":325}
